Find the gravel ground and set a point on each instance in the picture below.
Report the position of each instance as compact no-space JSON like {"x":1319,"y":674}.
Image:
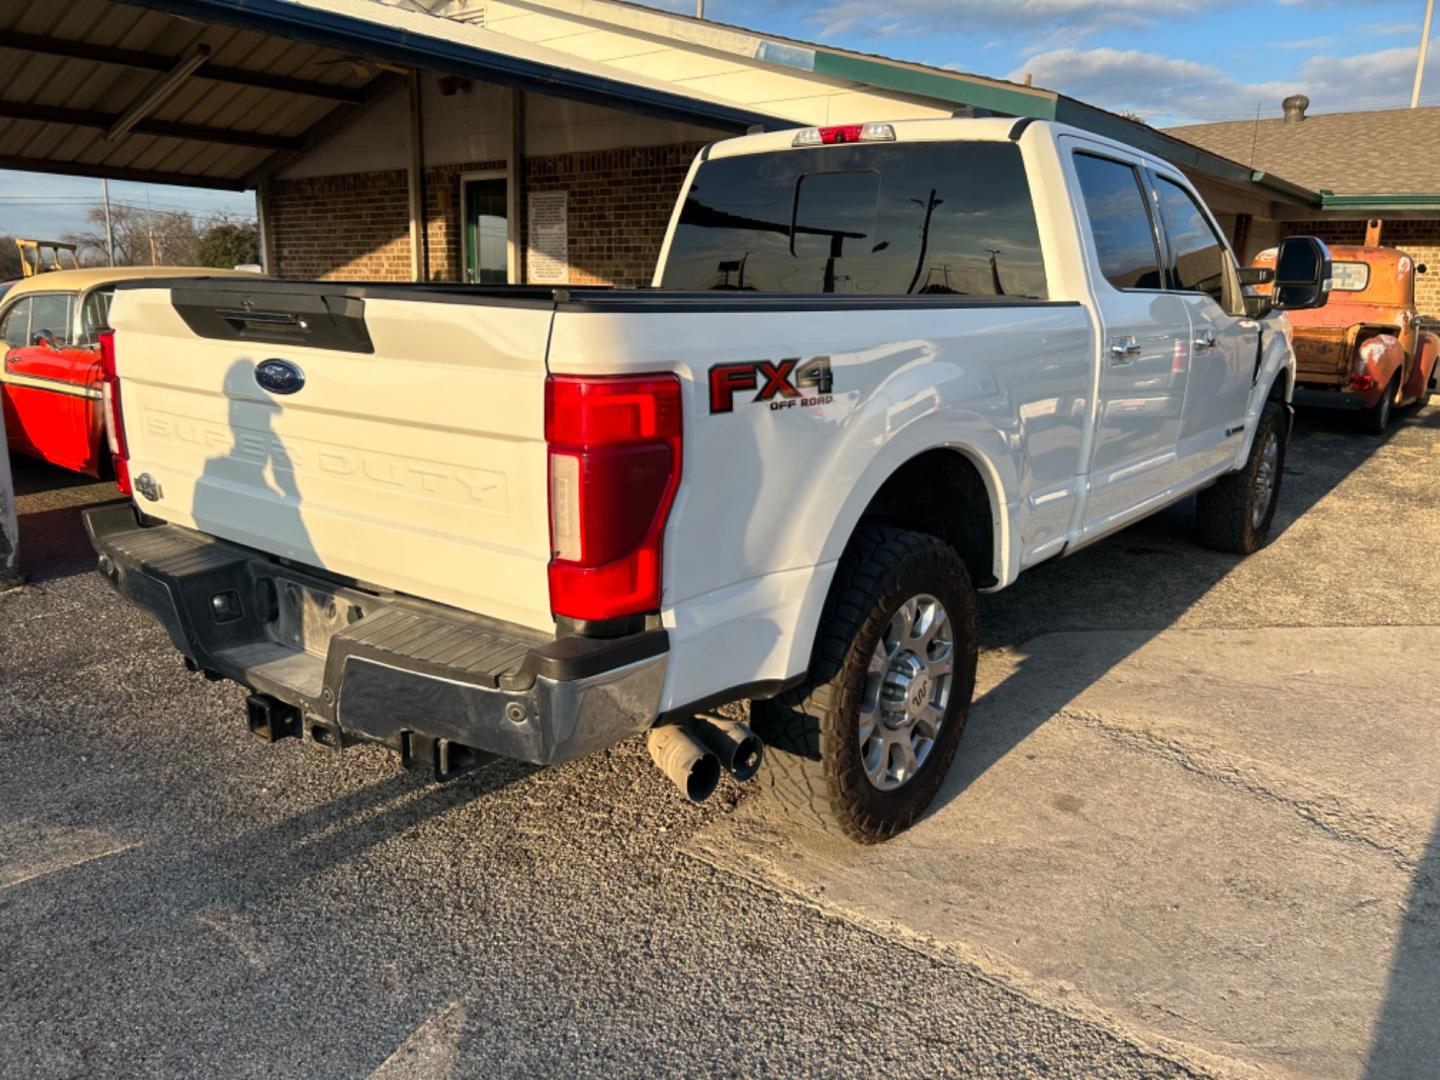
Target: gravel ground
{"x":176,"y":898}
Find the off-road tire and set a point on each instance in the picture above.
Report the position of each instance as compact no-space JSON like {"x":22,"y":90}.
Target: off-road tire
{"x":1374,"y":420}
{"x":1224,"y":512}
{"x":813,"y":766}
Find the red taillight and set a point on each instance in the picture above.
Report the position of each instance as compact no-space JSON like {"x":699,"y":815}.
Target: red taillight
{"x":840,"y":133}
{"x":114,"y":425}
{"x":1362,"y":381}
{"x":614,"y":446}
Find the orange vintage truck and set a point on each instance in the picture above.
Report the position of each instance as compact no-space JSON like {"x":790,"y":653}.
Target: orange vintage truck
{"x":1367,"y":349}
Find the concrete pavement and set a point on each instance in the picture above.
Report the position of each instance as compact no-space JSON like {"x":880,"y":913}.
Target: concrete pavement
{"x":176,"y":897}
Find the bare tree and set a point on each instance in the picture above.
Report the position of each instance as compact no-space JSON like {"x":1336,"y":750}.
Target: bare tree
{"x":9,"y":259}
{"x":142,"y":237}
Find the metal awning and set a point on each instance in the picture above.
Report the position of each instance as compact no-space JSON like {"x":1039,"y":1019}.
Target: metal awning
{"x":217,"y":93}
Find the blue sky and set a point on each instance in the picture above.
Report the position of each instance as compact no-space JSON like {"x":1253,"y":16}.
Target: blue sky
{"x":48,"y":207}
{"x":1171,"y":61}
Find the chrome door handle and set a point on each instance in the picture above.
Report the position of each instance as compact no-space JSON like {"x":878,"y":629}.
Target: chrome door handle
{"x":1205,"y":341}
{"x":1124,"y":350}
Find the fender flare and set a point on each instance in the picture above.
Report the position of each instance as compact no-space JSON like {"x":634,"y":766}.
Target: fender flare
{"x":966,"y":434}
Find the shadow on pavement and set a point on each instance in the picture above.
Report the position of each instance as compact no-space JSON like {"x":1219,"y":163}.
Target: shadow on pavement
{"x":1407,"y":1036}
{"x":1140,"y":582}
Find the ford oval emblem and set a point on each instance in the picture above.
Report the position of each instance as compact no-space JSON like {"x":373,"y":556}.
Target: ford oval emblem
{"x":279,"y":376}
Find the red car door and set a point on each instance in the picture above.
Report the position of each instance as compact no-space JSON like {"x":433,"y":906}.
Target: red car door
{"x":51,"y":387}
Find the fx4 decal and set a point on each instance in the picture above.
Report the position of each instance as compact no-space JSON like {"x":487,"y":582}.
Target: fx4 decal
{"x":784,"y":384}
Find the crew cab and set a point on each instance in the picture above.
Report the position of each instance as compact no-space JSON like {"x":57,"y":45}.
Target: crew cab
{"x":1368,"y":349}
{"x":881,"y":366}
{"x":50,"y":384}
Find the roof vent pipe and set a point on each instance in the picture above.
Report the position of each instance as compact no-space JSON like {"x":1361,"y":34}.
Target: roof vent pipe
{"x":1295,"y":106}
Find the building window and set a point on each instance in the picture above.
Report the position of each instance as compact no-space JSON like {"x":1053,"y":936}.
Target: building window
{"x":486,"y":231}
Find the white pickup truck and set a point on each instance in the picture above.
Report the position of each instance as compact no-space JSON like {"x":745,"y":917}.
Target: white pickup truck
{"x":883,"y":365}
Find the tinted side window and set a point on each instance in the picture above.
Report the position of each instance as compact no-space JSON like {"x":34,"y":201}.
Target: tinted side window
{"x":880,"y":220}
{"x":1199,"y":256}
{"x":16,"y":328}
{"x":51,"y":312}
{"x":1119,"y":222}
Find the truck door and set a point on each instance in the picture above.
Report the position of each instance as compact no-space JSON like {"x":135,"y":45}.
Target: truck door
{"x":1144,"y":339}
{"x":1201,"y":270}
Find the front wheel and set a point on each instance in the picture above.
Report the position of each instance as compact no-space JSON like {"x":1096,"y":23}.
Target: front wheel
{"x":1377,"y":418}
{"x":1235,"y":513}
{"x":861,"y":748}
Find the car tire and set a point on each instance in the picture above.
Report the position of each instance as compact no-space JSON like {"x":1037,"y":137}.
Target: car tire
{"x":1376,"y":419}
{"x":1235,"y":513}
{"x":853,"y":751}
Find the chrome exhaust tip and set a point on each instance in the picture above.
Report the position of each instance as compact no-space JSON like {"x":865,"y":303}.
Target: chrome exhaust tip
{"x":690,"y":766}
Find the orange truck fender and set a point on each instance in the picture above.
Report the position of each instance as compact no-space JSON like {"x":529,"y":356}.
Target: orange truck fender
{"x":1429,"y":350}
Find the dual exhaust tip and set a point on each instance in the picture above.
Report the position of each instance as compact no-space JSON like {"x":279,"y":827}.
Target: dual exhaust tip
{"x":692,"y":754}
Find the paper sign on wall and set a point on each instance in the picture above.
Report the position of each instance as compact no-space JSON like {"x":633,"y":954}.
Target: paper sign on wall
{"x":547,"y":255}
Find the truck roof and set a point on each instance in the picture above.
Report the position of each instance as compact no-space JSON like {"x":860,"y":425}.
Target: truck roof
{"x":986,"y":129}
{"x":90,"y":277}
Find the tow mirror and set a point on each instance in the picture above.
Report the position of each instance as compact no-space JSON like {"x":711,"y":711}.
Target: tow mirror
{"x":1302,"y":274}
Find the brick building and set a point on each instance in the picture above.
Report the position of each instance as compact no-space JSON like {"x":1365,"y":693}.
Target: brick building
{"x":485,"y":151}
{"x":1367,"y":169}
{"x":544,"y":141}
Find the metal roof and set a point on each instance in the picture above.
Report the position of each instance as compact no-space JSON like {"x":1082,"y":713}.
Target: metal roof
{"x":277,"y":77}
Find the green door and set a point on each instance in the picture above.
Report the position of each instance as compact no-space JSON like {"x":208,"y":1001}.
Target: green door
{"x":485,"y":232}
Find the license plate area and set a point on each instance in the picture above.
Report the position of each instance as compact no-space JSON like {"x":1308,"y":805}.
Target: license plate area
{"x":307,"y":617}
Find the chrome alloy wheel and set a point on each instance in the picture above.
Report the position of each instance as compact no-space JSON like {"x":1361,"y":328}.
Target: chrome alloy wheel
{"x":1267,"y":475}
{"x":907,"y":690}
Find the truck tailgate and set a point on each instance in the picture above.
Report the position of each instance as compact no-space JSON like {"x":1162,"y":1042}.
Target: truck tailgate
{"x":411,"y":458}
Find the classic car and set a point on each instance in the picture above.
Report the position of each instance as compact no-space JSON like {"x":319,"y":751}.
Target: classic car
{"x":1368,"y":349}
{"x":50,"y":379}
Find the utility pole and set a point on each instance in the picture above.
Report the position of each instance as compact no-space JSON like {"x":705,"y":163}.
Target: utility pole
{"x":150,"y":225}
{"x":1420,"y":60}
{"x":109,"y":227}
{"x":700,"y":8}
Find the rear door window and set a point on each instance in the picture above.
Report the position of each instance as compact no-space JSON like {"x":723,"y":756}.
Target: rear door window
{"x":50,"y":313}
{"x":1120,"y":223}
{"x":893,"y":219}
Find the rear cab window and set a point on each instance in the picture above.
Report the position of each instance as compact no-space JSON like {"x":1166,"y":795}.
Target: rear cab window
{"x":1349,"y":276}
{"x":893,"y":219}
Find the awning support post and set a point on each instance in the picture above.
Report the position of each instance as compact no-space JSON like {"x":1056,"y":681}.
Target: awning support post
{"x":515,"y":189}
{"x":10,"y":575}
{"x":419,"y":255}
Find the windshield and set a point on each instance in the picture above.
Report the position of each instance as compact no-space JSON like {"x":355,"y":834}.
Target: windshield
{"x":891,"y":219}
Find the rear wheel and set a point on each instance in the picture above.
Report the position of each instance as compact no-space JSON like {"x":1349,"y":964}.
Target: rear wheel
{"x":1377,"y":418}
{"x":861,"y":748}
{"x":1235,"y":513}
